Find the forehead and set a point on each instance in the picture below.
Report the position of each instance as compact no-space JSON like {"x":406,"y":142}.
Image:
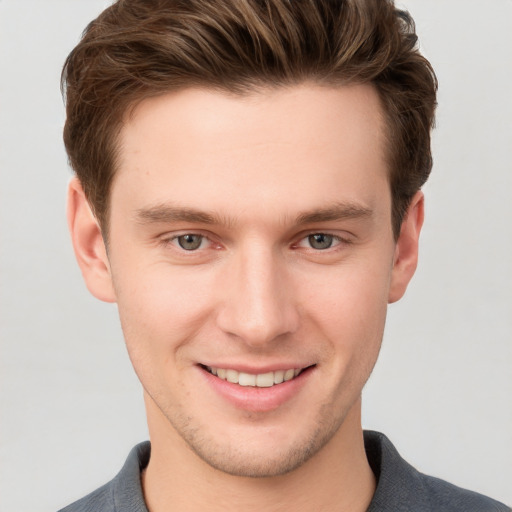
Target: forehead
{"x":286,"y":146}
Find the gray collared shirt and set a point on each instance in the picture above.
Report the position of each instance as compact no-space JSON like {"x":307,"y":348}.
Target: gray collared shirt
{"x":400,"y":487}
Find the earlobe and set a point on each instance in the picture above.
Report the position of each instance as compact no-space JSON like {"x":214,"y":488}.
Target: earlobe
{"x":88,"y":244}
{"x":406,"y":249}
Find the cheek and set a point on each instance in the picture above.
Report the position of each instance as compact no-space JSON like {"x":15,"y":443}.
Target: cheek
{"x":350,"y":311}
{"x":352,"y":296}
{"x":161,"y":310}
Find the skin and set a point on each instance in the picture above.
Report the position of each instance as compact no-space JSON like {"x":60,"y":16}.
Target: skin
{"x":253,"y":178}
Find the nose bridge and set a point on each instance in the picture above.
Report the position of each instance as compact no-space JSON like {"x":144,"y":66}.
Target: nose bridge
{"x":257,"y":305}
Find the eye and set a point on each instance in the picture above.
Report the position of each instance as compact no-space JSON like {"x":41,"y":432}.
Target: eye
{"x":190,"y":241}
{"x":322,"y":241}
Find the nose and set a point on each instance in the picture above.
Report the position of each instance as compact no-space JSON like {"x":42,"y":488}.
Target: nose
{"x":257,"y":298}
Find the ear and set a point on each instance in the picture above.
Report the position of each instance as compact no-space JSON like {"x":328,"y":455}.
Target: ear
{"x":406,"y":249}
{"x":88,"y":244}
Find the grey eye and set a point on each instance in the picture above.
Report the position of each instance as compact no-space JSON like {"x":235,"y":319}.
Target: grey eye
{"x":190,"y":242}
{"x":320,"y":241}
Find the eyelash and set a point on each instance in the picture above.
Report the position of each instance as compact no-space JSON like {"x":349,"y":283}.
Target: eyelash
{"x":336,"y":241}
{"x":174,"y":242}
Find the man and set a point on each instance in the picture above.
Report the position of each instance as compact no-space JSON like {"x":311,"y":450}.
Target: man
{"x":247,"y":191}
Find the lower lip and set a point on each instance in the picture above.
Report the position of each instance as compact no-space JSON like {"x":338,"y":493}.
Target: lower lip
{"x":254,"y":399}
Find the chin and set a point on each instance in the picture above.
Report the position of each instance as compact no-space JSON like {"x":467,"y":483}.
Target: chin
{"x":262,"y":456}
{"x":256,"y":465}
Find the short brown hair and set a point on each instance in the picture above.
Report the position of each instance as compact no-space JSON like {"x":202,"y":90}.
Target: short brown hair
{"x":141,"y":48}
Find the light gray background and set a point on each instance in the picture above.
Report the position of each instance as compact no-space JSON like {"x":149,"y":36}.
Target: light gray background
{"x":71,"y":407}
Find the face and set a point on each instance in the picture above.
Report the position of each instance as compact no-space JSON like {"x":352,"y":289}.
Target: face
{"x":252,"y":258}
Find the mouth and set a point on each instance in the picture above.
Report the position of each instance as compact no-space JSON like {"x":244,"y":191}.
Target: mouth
{"x":260,"y":380}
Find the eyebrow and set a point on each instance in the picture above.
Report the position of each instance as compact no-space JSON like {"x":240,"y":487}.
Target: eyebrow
{"x":169,"y":213}
{"x":338,"y":211}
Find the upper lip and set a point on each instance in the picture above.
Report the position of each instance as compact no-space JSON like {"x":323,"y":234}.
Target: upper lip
{"x":256,"y":370}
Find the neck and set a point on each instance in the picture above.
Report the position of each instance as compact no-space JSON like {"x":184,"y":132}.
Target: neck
{"x":337,"y":478}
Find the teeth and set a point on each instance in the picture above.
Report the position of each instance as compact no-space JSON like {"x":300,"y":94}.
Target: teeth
{"x":246,"y":379}
{"x":232,"y":376}
{"x":278,"y":376}
{"x":262,"y":380}
{"x":289,"y":374}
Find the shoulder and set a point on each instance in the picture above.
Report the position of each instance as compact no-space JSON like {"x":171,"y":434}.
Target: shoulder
{"x":448,"y":497}
{"x":101,"y":500}
{"x":401,"y":487}
{"x":121,"y":494}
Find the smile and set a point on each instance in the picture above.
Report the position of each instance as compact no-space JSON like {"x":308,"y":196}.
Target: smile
{"x":260,"y":380}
